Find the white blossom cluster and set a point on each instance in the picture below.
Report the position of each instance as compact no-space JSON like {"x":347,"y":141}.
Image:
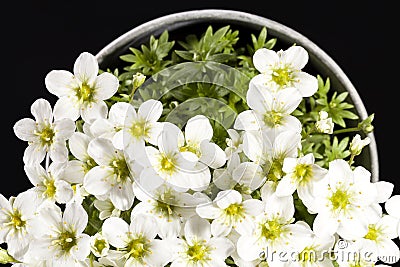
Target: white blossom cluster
{"x":190,"y":203}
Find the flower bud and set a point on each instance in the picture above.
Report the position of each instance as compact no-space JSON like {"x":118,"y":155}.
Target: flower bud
{"x":324,"y":124}
{"x":366,"y":125}
{"x":357,"y":144}
{"x":137,"y":80}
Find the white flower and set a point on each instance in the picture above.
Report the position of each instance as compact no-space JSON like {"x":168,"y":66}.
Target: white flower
{"x":106,"y":208}
{"x":168,"y":207}
{"x":197,"y":135}
{"x":244,"y":177}
{"x":199,"y":248}
{"x":99,"y":245}
{"x":228,"y":211}
{"x":269,"y":111}
{"x":76,"y":169}
{"x":392,"y":208}
{"x":83,"y":92}
{"x":138,"y":79}
{"x":267,"y":154}
{"x":273,"y":230}
{"x":234,"y":142}
{"x":114,"y":175}
{"x":313,"y":252}
{"x":16,"y":222}
{"x":283,"y":69}
{"x":342,"y":201}
{"x":301,"y":174}
{"x":59,"y":236}
{"x":378,"y":240}
{"x":136,"y":242}
{"x":169,"y":165}
{"x":43,"y":134}
{"x":50,"y":185}
{"x":357,"y":144}
{"x":125,"y":126}
{"x":324,"y":123}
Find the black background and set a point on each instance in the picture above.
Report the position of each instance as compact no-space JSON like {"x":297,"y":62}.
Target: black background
{"x":40,"y":36}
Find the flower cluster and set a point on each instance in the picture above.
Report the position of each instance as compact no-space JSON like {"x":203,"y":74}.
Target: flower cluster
{"x":114,"y":185}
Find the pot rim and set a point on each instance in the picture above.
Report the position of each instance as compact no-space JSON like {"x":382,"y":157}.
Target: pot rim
{"x":174,"y":20}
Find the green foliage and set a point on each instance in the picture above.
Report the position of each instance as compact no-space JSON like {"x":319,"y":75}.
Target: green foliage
{"x":150,"y":59}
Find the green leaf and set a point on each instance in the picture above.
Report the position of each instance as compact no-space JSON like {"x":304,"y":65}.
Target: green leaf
{"x":5,"y":258}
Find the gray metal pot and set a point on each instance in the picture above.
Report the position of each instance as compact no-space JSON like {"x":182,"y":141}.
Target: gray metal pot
{"x":189,"y":21}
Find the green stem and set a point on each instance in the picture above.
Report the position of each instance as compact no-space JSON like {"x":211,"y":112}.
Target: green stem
{"x":347,"y":130}
{"x":351,"y":160}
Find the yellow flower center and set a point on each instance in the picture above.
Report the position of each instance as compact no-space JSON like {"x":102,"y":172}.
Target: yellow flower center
{"x":303,"y":173}
{"x":271,"y":230}
{"x":46,"y":135}
{"x":373,"y":233}
{"x":100,"y":244}
{"x":67,"y":240}
{"x":84,"y":93}
{"x":16,"y":220}
{"x":273,"y":118}
{"x":167,"y":164}
{"x":139,"y":248}
{"x":139,"y":130}
{"x":199,"y":251}
{"x":191,"y":148}
{"x":121,"y":169}
{"x":50,"y":188}
{"x":308,"y":255}
{"x":340,"y":199}
{"x":282,"y":76}
{"x":274,"y":170}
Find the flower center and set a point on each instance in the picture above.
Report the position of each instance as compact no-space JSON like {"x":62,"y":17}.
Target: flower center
{"x":139,"y":247}
{"x":234,"y":210}
{"x":67,"y":240}
{"x":88,"y":165}
{"x":46,"y":135}
{"x":50,"y":188}
{"x":275,"y":172}
{"x":139,"y":129}
{"x":339,"y":199}
{"x":282,"y":76}
{"x":120,"y":169}
{"x":100,"y":244}
{"x":164,"y":204}
{"x":167,"y":164}
{"x":373,"y":233}
{"x":273,"y":118}
{"x":198,"y":252}
{"x":271,"y":230}
{"x":303,"y":173}
{"x":191,"y":148}
{"x":84,"y":93}
{"x":16,"y":220}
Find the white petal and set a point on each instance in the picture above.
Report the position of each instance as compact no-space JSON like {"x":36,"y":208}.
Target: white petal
{"x":287,"y":100}
{"x":96,"y":180}
{"x":86,"y":67}
{"x":102,"y":151}
{"x":248,"y":121}
{"x":93,"y":111}
{"x":296,"y":56}
{"x":58,"y":82}
{"x":253,"y":207}
{"x":122,"y":113}
{"x":169,"y":228}
{"x":286,"y":186}
{"x":35,"y":173}
{"x":76,"y":217}
{"x":253,"y":146}
{"x":259,"y":98}
{"x":78,"y":145}
{"x":353,"y":228}
{"x":145,"y":225}
{"x":223,"y":179}
{"x":168,"y":139}
{"x":65,"y":107}
{"x":392,"y":206}
{"x":208,"y":211}
{"x":306,"y":84}
{"x":385,"y":190}
{"x":64,"y":128}
{"x":389,"y":224}
{"x":212,"y":155}
{"x":74,"y":172}
{"x":247,"y":248}
{"x":249,"y":174}
{"x":59,"y":152}
{"x":106,"y":85}
{"x":164,"y":249}
{"x":82,"y":248}
{"x":150,"y":110}
{"x":64,"y":192}
{"x":223,"y":248}
{"x":263,"y":59}
{"x":226,"y":198}
{"x":41,"y":110}
{"x":150,"y":180}
{"x":388,"y":251}
{"x":324,"y":226}
{"x":282,"y":207}
{"x":122,"y":196}
{"x":339,"y":172}
{"x":116,"y":231}
{"x":154,"y":132}
{"x":197,"y":228}
{"x":197,"y":129}
{"x":34,"y":154}
{"x":27,"y":203}
{"x":24,"y":129}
